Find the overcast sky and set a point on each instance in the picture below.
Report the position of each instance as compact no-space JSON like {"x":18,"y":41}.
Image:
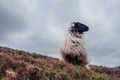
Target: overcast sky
{"x":40,"y":25}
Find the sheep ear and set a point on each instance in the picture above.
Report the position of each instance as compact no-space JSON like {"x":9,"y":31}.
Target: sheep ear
{"x":73,"y":24}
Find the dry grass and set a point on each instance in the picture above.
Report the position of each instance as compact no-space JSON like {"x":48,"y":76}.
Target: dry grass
{"x":21,"y":65}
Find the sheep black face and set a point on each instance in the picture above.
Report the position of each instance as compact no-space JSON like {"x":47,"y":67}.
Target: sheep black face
{"x":78,"y":27}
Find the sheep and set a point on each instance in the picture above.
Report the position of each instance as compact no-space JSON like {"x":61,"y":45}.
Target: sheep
{"x":73,"y":48}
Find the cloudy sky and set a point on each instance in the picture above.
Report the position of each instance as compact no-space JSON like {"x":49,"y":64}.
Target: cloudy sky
{"x":40,"y":25}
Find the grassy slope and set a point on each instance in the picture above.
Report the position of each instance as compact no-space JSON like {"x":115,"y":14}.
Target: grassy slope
{"x":21,"y":65}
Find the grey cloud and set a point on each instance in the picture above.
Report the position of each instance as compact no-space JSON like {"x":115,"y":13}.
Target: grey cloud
{"x":10,"y":21}
{"x":105,"y":38}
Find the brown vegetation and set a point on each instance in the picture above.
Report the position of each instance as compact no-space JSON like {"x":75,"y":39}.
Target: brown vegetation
{"x":21,"y":65}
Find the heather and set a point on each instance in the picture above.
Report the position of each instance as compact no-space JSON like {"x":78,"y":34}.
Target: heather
{"x":22,"y":65}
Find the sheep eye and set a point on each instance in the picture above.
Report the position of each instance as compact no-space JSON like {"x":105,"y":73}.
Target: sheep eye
{"x":73,"y":24}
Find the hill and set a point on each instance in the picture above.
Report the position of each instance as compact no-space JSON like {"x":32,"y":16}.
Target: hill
{"x":21,"y":65}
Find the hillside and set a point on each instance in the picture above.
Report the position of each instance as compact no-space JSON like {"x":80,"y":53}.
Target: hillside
{"x":21,"y":65}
